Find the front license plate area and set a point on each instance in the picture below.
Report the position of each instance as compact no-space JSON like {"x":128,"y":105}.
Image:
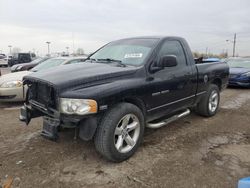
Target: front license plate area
{"x":50,"y":128}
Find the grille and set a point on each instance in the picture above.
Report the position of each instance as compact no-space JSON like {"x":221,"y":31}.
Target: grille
{"x":43,"y":94}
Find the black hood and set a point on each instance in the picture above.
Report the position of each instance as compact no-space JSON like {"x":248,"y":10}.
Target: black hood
{"x":66,"y":76}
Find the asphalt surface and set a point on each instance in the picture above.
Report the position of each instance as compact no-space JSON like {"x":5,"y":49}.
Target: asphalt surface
{"x":5,"y":70}
{"x":191,"y":152}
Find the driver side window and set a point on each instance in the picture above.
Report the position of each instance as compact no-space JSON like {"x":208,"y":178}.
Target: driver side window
{"x":173,"y":48}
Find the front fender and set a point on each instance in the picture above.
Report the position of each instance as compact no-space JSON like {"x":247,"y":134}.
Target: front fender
{"x":111,"y":92}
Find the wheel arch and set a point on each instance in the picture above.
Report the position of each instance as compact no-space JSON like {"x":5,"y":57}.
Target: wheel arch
{"x":218,"y":82}
{"x":137,"y":102}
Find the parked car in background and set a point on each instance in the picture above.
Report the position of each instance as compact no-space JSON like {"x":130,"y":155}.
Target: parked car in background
{"x":201,"y":60}
{"x":21,"y":58}
{"x":239,"y":72}
{"x":11,"y":85}
{"x":3,"y":61}
{"x":28,"y":66}
{"x":2,"y":56}
{"x":124,"y":86}
{"x":211,"y":59}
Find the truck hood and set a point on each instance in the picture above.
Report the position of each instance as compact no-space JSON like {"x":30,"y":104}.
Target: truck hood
{"x":73,"y":75}
{"x":18,"y":76}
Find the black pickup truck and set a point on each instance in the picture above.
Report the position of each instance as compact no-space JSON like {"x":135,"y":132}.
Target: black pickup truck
{"x":122,"y":88}
{"x":21,"y":58}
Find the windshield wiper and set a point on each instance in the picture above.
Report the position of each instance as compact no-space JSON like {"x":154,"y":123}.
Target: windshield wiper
{"x":119,"y":62}
{"x":91,"y":59}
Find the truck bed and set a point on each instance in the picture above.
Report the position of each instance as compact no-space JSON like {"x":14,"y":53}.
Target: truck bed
{"x":211,"y":70}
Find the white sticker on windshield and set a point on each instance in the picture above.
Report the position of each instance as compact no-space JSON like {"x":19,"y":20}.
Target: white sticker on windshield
{"x":135,"y":55}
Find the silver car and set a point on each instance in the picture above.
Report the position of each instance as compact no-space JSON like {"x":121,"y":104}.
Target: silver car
{"x":11,"y":85}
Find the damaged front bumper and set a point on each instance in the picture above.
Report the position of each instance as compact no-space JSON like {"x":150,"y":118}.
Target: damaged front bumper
{"x":27,"y":113}
{"x":50,"y":128}
{"x":52,"y":120}
{"x":50,"y":125}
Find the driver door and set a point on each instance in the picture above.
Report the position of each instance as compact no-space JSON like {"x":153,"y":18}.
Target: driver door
{"x":172,"y":86}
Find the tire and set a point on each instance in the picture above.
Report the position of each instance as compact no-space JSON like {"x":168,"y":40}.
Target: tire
{"x":113,"y":132}
{"x":204,"y":107}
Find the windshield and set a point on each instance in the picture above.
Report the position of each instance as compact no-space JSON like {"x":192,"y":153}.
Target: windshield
{"x":239,"y":63}
{"x":127,"y":51}
{"x":37,"y":60}
{"x":48,"y":64}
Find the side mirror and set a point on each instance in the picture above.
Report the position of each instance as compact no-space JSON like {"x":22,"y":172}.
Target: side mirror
{"x":168,"y":61}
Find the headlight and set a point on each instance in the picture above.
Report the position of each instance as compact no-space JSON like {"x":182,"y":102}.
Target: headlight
{"x":12,"y":84}
{"x":246,"y":74}
{"x":78,"y":106}
{"x":19,"y":67}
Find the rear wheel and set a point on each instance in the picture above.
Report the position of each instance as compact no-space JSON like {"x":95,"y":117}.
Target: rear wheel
{"x":120,"y":132}
{"x":209,"y":104}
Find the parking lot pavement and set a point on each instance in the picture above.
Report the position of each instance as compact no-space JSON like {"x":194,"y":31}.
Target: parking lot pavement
{"x":191,"y":152}
{"x":10,"y":106}
{"x":5,"y":70}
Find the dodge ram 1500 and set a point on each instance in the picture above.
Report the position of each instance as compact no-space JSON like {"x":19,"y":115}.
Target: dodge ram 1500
{"x":122,"y":88}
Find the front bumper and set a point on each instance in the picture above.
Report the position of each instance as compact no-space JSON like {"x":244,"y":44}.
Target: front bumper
{"x":12,"y":94}
{"x":50,"y":128}
{"x":13,"y":70}
{"x":3,"y":64}
{"x":52,"y":120}
{"x":247,"y":85}
{"x":239,"y":82}
{"x":27,"y":113}
{"x":50,"y":125}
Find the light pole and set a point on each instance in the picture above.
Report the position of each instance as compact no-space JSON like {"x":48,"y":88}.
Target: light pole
{"x":67,"y":50}
{"x":48,"y":48}
{"x":10,"y":48}
{"x":234,"y":44}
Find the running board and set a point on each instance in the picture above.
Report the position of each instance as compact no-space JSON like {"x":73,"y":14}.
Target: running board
{"x":169,"y":120}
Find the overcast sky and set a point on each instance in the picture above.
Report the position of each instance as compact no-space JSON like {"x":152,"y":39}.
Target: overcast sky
{"x":28,"y":24}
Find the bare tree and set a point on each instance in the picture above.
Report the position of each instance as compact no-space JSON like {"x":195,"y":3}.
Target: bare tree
{"x":221,"y":55}
{"x":79,"y":51}
{"x":16,"y":50}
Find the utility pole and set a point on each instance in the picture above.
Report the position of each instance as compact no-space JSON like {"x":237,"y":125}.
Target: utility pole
{"x":48,"y":48}
{"x":10,"y":48}
{"x":206,"y":51}
{"x":73,"y":42}
{"x":67,"y":50}
{"x":234,"y":44}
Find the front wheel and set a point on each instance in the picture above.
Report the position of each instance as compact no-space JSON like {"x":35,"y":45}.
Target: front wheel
{"x":120,"y":132}
{"x":209,"y":104}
